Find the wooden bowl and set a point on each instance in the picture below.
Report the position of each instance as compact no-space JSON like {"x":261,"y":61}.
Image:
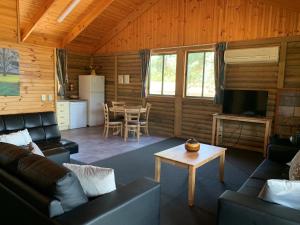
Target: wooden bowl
{"x":192,"y":147}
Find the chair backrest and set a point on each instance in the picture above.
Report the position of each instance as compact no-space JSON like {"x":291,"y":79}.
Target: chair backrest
{"x":118,"y":104}
{"x":132,"y":114}
{"x":148,"y":107}
{"x":106,"y":114}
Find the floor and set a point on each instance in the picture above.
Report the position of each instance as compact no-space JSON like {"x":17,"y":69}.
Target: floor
{"x":94,"y":147}
{"x":239,"y":164}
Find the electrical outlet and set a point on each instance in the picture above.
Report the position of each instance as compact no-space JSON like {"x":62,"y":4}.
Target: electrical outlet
{"x":43,"y":98}
{"x":50,"y":98}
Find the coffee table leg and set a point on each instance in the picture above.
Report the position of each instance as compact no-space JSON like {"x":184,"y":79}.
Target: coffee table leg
{"x":192,"y":177}
{"x":222,"y":162}
{"x":157,"y":169}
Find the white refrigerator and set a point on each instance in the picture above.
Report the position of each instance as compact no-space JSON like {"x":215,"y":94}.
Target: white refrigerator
{"x":91,"y":88}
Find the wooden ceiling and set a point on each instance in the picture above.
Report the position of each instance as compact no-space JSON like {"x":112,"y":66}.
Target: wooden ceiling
{"x":91,"y":24}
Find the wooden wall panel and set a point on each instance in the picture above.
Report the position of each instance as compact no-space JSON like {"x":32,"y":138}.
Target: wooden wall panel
{"x":106,"y":67}
{"x":162,"y":116}
{"x":131,"y":65}
{"x":176,"y":23}
{"x":36,"y":79}
{"x":292,"y":75}
{"x":36,"y":67}
{"x":78,"y":64}
{"x":197,"y":119}
{"x":8,"y":18}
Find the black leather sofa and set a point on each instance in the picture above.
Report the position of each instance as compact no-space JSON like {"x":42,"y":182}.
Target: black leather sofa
{"x":44,"y":132}
{"x":245,"y":208}
{"x":28,"y":197}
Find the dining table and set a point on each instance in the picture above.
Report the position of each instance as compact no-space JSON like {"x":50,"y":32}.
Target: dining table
{"x":121,"y":109}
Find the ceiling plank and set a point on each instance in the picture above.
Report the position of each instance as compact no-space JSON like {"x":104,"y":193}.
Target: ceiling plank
{"x":147,"y":4}
{"x":87,"y":20}
{"x":292,"y":5}
{"x":36,"y":19}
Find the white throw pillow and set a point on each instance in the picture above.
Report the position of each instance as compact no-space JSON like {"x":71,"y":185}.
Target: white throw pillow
{"x":36,"y":150}
{"x":17,"y":138}
{"x":282,"y":192}
{"x":294,"y":172}
{"x":94,"y":180}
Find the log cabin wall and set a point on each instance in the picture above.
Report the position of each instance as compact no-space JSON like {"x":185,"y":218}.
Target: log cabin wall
{"x":36,"y":67}
{"x":78,"y":64}
{"x":193,"y":117}
{"x":106,"y":66}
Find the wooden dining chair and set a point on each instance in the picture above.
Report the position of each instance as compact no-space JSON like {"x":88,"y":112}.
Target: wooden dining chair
{"x":132,"y":122}
{"x":108,"y":124}
{"x":118,"y":104}
{"x":144,"y":122}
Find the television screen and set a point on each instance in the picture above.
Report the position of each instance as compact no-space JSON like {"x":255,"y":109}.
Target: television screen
{"x":244,"y":102}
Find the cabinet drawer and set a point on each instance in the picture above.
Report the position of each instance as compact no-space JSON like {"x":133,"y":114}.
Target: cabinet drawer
{"x":62,"y":106}
{"x":62,"y":115}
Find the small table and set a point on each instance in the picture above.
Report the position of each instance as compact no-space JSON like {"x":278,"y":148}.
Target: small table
{"x":178,"y":156}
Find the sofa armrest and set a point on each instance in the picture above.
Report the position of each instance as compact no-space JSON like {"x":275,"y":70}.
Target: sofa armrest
{"x":135,"y":204}
{"x":280,"y":153}
{"x":236,"y":209}
{"x":58,"y":155}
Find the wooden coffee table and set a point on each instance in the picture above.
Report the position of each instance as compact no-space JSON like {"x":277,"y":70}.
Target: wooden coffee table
{"x":178,"y":156}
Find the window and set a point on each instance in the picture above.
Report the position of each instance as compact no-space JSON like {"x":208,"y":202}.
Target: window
{"x":200,"y":74}
{"x":162,"y":79}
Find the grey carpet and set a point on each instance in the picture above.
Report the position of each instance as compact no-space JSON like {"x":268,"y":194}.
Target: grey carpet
{"x":174,"y":207}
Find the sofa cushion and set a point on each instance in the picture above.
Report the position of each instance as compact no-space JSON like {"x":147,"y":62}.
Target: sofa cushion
{"x":10,"y":156}
{"x":2,"y":125}
{"x":252,"y":187}
{"x":52,"y":132}
{"x":14,"y":122}
{"x":53,"y":180}
{"x":48,"y":206}
{"x":37,"y":134}
{"x":32,"y":120}
{"x":48,"y":118}
{"x":271,"y":170}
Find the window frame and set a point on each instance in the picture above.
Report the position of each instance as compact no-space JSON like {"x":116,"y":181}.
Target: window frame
{"x":197,"y":50}
{"x":162,"y":53}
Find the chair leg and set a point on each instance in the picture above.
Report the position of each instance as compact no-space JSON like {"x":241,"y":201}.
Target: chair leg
{"x":125,"y":133}
{"x":138,"y":133}
{"x":121,"y":130}
{"x":107,"y":130}
{"x":104,"y":130}
{"x":147,"y":129}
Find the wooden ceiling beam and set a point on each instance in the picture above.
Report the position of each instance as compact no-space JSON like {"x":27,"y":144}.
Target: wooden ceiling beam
{"x":36,"y":19}
{"x":147,"y":4}
{"x":87,"y":20}
{"x":292,"y":5}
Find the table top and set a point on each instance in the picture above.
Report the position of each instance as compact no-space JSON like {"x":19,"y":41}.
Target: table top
{"x":179,"y":154}
{"x":120,"y":109}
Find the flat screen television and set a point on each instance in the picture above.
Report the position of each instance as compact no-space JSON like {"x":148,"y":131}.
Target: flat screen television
{"x":245,"y":102}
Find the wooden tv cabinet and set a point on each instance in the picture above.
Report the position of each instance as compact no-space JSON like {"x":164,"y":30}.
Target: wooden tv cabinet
{"x":218,"y":118}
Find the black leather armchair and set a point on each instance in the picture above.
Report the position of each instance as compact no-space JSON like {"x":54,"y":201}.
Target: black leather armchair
{"x":44,"y":131}
{"x":245,"y":208}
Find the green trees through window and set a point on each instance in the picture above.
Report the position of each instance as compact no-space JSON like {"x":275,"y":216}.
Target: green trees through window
{"x":200,"y":74}
{"x":200,"y":77}
{"x":162,"y":79}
